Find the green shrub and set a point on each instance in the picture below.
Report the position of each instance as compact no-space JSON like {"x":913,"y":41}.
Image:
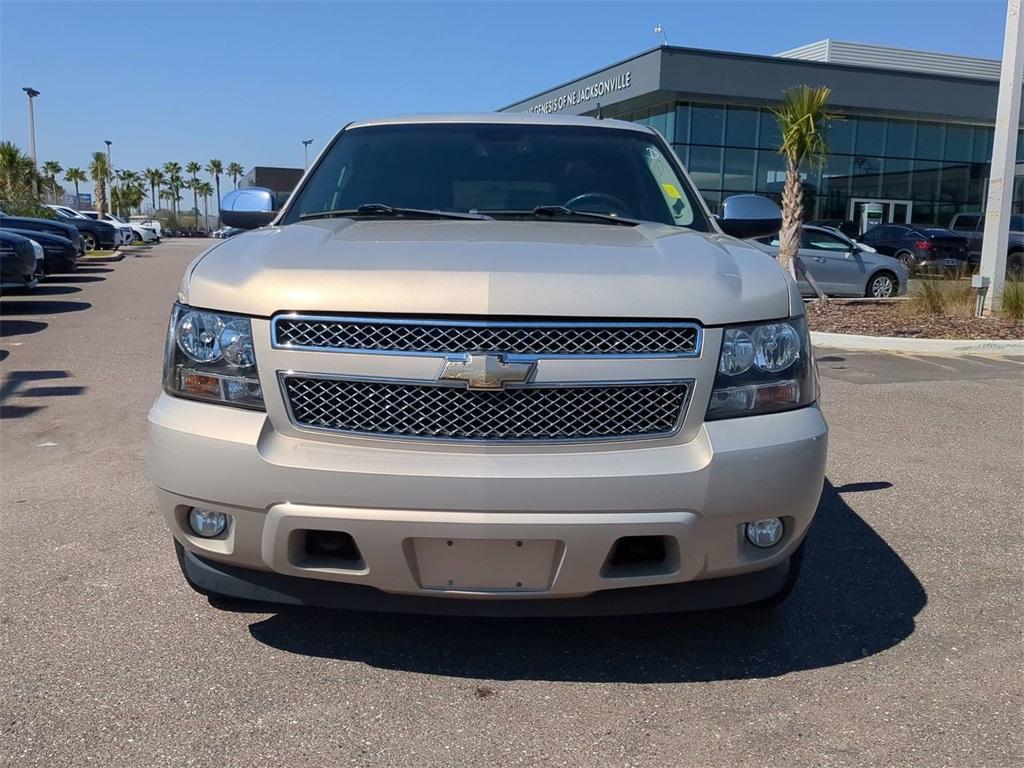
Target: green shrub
{"x":942,"y":297}
{"x":1013,"y":298}
{"x":22,"y":206}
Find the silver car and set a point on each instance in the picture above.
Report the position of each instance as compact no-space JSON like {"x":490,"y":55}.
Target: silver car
{"x":842,"y":266}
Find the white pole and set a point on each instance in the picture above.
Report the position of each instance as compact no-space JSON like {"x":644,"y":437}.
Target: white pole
{"x":1004,"y":160}
{"x":32,"y":131}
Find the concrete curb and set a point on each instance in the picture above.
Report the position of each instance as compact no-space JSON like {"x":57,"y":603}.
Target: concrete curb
{"x":853,"y":343}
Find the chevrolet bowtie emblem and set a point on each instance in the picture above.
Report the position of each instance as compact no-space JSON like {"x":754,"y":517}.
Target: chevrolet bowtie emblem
{"x":485,"y":371}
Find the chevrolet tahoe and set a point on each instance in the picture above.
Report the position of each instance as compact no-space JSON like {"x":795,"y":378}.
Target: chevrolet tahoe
{"x":495,"y":365}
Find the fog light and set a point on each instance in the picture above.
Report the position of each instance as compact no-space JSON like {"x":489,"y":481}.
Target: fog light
{"x":764,"y":533}
{"x":207,"y":523}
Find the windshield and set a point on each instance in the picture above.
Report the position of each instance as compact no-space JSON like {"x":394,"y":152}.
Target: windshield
{"x":500,"y":170}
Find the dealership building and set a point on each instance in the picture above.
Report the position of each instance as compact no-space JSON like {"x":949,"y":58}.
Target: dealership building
{"x":912,"y":131}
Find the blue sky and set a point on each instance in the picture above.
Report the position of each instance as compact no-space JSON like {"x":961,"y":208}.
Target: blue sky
{"x":247,"y":81}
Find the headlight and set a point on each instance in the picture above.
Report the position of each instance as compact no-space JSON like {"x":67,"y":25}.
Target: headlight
{"x":764,"y":368}
{"x":210,"y":356}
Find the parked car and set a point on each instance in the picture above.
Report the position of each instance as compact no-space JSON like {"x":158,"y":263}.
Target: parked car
{"x":94,"y":234}
{"x":140,"y":233}
{"x":490,"y":364}
{"x":53,"y":226}
{"x":843,"y":267}
{"x":843,"y":226}
{"x":929,"y":247}
{"x":125,"y":233}
{"x":60,"y":254}
{"x":972,"y":226}
{"x":20,"y":259}
{"x":149,"y":222}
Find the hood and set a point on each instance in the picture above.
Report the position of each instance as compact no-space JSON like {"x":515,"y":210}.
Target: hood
{"x":47,"y":225}
{"x":505,"y":268}
{"x":43,"y":237}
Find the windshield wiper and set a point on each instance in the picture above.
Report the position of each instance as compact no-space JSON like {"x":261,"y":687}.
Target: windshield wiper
{"x":380,"y":210}
{"x":561,"y":212}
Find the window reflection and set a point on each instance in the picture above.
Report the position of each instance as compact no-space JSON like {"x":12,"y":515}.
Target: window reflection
{"x":938,"y":167}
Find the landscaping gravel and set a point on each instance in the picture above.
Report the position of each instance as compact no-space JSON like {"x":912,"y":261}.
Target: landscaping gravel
{"x":897,"y":319}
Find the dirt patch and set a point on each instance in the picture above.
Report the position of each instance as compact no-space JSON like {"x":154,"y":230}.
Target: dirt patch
{"x":898,"y":319}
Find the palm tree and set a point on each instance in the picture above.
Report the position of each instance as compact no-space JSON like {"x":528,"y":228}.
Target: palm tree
{"x":173,"y":171}
{"x":99,"y":172}
{"x":173,"y":199}
{"x":190,"y":184}
{"x":193,"y":168}
{"x":75,"y":176}
{"x":234,"y":170}
{"x":17,"y":172}
{"x":155,"y":177}
{"x":215,"y":168}
{"x":205,"y":189}
{"x":51,"y":168}
{"x":801,"y":120}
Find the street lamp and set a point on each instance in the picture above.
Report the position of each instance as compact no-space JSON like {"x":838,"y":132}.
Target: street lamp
{"x":660,"y":30}
{"x":305,"y":153}
{"x":32,"y":93}
{"x":110,"y":175}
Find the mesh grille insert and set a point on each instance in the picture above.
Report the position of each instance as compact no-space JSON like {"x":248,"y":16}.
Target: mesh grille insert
{"x":513,"y":338}
{"x":529,"y":413}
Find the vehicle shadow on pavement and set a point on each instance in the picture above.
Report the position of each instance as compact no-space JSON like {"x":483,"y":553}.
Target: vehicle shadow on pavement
{"x":31,"y":306}
{"x":74,"y":277}
{"x":33,"y":384}
{"x":855,"y":598}
{"x":20,"y":327}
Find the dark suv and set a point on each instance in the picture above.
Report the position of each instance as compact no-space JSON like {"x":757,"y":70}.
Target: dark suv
{"x":972,"y":226}
{"x":919,"y":246}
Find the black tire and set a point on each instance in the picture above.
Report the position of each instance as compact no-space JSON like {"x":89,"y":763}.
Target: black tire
{"x":89,"y":242}
{"x":882,"y":285}
{"x":907,"y":258}
{"x":137,"y":238}
{"x":1015,"y":265}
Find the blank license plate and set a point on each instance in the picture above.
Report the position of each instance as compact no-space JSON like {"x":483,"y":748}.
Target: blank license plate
{"x":485,"y":565}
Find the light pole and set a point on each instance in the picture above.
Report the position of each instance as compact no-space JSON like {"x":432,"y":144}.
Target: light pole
{"x":660,"y":30}
{"x":110,"y":177}
{"x":995,"y":239}
{"x":305,"y":153}
{"x":32,"y":93}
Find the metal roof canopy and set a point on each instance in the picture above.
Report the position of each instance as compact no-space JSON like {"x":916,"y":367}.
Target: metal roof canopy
{"x":671,"y":73}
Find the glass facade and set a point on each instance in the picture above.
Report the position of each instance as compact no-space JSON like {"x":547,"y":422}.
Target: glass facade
{"x":922,"y":171}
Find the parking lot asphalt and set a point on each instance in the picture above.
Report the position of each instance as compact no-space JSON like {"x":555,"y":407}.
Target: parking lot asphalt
{"x":901,"y":645}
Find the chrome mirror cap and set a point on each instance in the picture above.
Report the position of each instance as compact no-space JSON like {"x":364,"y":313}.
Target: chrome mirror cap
{"x":248,"y":207}
{"x":748,"y":216}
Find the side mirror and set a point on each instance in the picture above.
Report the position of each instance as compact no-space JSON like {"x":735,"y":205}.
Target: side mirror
{"x":747,"y":216}
{"x":248,"y":208}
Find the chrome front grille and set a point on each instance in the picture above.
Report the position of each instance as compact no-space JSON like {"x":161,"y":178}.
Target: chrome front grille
{"x":456,"y":413}
{"x":363,"y":334}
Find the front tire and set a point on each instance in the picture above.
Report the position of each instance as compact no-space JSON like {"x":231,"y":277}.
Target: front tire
{"x":882,"y":285}
{"x":89,"y":242}
{"x":907,"y":258}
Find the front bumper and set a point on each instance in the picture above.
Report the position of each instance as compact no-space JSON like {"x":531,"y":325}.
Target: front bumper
{"x":398,"y":502}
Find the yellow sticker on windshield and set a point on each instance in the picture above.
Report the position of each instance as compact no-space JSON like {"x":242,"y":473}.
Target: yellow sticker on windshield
{"x":670,"y":190}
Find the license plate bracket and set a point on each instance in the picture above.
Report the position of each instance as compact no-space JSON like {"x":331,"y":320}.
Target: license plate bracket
{"x":485,"y":565}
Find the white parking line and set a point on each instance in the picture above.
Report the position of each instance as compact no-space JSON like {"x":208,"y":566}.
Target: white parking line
{"x":929,"y":361}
